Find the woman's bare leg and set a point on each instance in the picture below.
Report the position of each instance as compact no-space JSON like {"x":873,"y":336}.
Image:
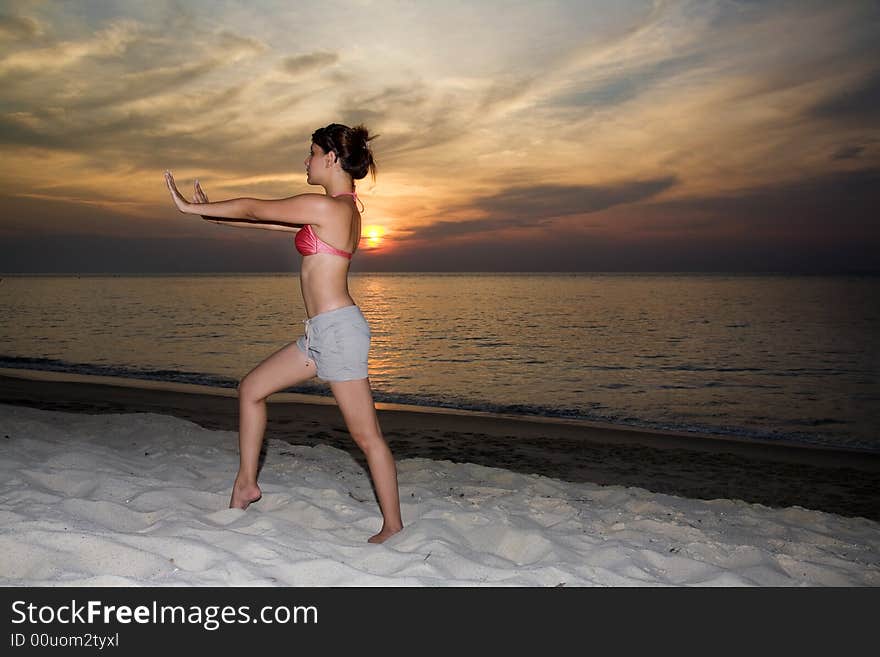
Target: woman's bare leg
{"x":283,"y":369}
{"x":355,"y":400}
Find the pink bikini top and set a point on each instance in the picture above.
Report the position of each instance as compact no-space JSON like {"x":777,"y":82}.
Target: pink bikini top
{"x":308,"y":243}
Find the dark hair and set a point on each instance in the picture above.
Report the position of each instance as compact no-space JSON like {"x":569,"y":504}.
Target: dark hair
{"x":350,"y":146}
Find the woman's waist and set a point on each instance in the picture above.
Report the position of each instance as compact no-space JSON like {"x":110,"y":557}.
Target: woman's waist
{"x":326,"y":300}
{"x":324,"y":294}
{"x":332,"y":315}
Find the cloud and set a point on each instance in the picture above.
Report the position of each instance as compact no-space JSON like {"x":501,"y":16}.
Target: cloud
{"x":124,"y":62}
{"x":859,"y":102}
{"x":848,"y":152}
{"x":299,"y":64}
{"x":144,"y":84}
{"x":506,"y":90}
{"x":529,"y":203}
{"x":19,"y":27}
{"x":108,"y":42}
{"x":619,"y":85}
{"x":145,"y":106}
{"x":416,"y":120}
{"x":73,"y":135}
{"x":231,"y":46}
{"x":833,"y":207}
{"x":536,"y":205}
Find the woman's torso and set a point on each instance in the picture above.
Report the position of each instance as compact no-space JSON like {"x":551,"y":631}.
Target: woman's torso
{"x":324,"y":276}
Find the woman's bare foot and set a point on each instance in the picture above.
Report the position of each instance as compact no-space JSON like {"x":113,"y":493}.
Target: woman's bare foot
{"x":243,"y":495}
{"x":383,"y":535}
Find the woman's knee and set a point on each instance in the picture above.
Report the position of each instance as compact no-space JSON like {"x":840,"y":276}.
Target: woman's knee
{"x":368,"y":440}
{"x":248,"y":389}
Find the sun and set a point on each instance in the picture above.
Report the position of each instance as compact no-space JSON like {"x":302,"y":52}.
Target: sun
{"x":375,"y":235}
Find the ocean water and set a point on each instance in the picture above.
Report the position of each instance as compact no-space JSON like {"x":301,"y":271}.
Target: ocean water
{"x":790,"y":358}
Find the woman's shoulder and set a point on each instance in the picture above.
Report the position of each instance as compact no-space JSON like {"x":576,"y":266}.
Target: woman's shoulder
{"x":315,"y":208}
{"x":319,"y":201}
{"x":330,"y":211}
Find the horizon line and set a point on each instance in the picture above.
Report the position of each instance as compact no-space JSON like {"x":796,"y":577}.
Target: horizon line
{"x":793,"y":272}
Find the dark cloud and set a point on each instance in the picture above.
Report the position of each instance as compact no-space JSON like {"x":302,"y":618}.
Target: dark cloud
{"x":144,"y":84}
{"x":227,"y":42}
{"x":832,"y":207}
{"x":506,"y":90}
{"x":18,"y":27}
{"x":850,"y":152}
{"x":299,"y":64}
{"x":87,"y":107}
{"x":141,"y":140}
{"x":529,"y":206}
{"x":135,"y":64}
{"x":68,"y":135}
{"x":14,"y":131}
{"x":409,"y":103}
{"x":622,"y":86}
{"x":859,"y":103}
{"x":528,"y":203}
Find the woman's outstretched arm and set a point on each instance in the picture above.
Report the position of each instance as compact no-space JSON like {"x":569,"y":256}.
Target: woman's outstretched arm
{"x":199,"y":197}
{"x":288,"y":214}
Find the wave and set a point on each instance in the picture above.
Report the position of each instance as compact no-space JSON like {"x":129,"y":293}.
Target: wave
{"x":454,"y":403}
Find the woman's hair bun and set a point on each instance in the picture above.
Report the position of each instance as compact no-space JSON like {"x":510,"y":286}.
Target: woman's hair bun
{"x":351,"y":145}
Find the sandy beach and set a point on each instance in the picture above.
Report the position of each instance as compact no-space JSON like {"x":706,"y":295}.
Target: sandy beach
{"x":110,"y":482}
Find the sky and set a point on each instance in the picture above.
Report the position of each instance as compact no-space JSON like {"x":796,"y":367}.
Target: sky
{"x":573,"y":135}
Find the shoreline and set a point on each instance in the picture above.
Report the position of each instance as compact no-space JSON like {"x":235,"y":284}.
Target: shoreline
{"x":663,"y":435}
{"x":843,"y":482}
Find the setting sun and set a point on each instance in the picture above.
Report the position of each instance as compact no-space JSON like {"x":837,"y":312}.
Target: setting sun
{"x":374,"y":236}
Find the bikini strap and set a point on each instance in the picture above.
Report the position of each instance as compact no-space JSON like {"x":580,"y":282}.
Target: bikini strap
{"x":354,"y":195}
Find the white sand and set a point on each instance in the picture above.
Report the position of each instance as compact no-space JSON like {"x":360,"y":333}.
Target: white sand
{"x":139,"y":499}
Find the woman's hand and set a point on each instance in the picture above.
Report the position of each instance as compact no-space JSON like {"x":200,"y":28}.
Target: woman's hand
{"x":176,"y":196}
{"x":198,"y":195}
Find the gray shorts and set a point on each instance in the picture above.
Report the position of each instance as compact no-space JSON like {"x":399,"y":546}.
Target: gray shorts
{"x":338,"y":342}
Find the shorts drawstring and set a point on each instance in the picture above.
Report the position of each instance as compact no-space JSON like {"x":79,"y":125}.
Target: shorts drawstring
{"x":308,"y":323}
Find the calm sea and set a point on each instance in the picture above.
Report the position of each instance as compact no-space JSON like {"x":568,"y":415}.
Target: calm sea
{"x":763,"y":356}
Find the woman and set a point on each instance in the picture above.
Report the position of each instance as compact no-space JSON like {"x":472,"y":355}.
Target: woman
{"x":337,"y":338}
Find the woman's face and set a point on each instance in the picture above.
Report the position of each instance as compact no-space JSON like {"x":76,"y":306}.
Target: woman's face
{"x":315,"y":164}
